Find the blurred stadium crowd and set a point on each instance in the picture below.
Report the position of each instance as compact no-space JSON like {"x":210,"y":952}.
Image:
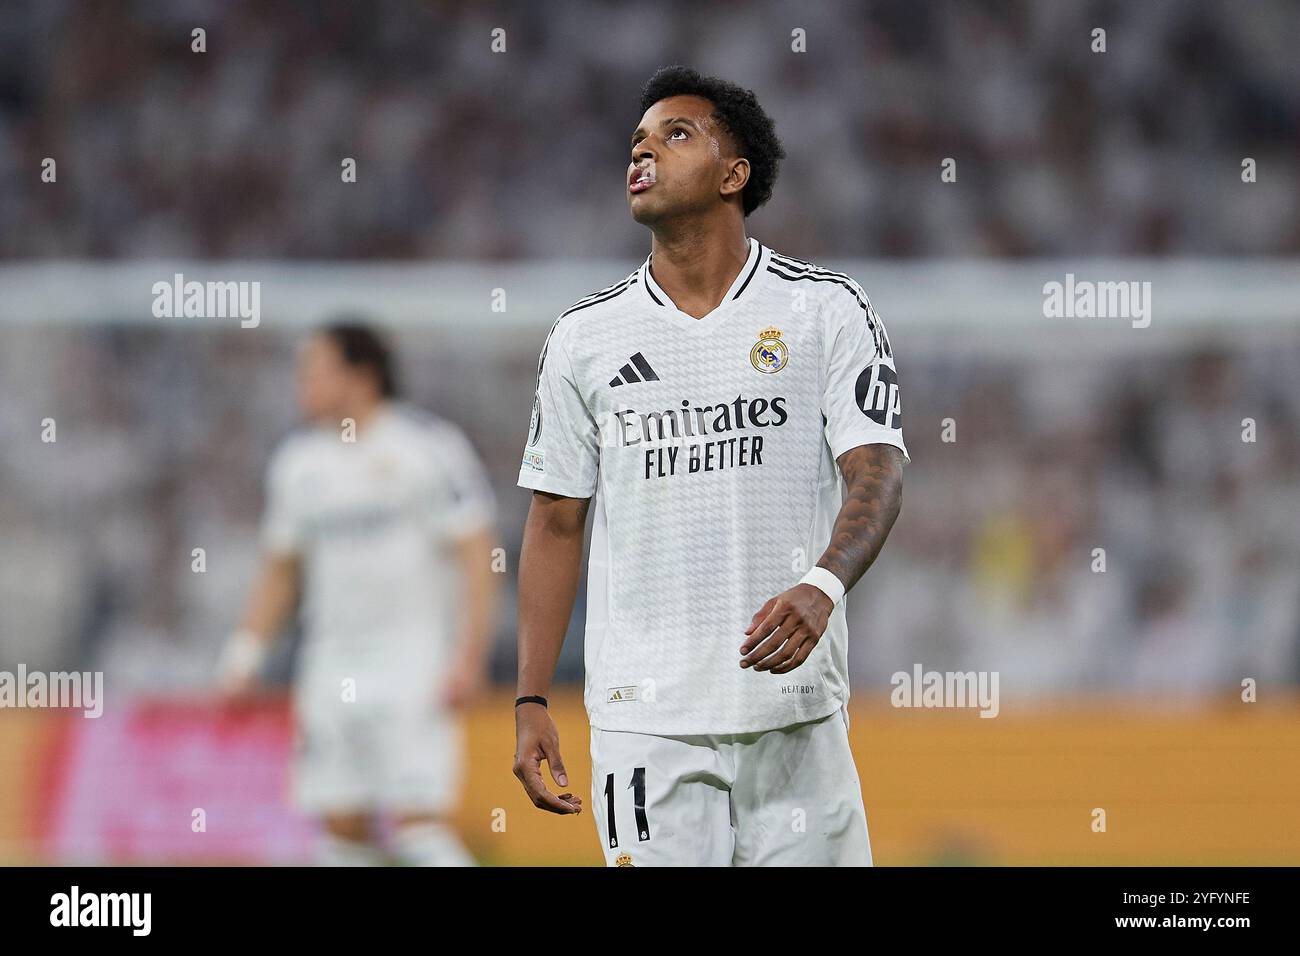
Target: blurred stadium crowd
{"x":164,"y":436}
{"x":463,"y":152}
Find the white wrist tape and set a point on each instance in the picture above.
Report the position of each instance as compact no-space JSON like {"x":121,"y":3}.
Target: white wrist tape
{"x":242,"y":657}
{"x":826,"y":582}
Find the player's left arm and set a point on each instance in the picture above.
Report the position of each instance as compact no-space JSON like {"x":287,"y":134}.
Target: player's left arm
{"x":469,"y":671}
{"x":873,"y":476}
{"x":796,"y":619}
{"x":465,"y":519}
{"x":862,"y":417}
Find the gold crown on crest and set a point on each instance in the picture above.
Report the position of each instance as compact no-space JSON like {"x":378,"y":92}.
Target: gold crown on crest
{"x":771,"y":332}
{"x":624,"y":859}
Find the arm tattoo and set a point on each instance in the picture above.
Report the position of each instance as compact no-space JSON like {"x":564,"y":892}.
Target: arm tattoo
{"x":873,"y":475}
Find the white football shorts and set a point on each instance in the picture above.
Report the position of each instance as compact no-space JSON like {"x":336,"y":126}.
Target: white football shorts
{"x":399,"y":756}
{"x":787,"y":797}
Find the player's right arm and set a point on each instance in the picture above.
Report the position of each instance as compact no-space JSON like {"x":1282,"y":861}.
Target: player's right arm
{"x":560,"y":466}
{"x":274,"y":596}
{"x":273,"y":601}
{"x":550,"y":564}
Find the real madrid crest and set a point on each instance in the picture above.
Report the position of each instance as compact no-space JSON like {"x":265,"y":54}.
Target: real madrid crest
{"x":624,"y":859}
{"x":769,"y":353}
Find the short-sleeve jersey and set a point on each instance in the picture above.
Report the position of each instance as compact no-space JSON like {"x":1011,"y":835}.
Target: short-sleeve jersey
{"x":372,"y":521}
{"x":710,"y":446}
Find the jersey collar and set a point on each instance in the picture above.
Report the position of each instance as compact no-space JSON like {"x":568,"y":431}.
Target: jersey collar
{"x":743,"y":282}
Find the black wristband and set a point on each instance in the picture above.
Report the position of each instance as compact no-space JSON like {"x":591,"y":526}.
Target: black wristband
{"x":534,"y":699}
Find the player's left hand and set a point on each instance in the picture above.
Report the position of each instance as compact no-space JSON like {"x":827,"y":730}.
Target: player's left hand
{"x":786,"y":629}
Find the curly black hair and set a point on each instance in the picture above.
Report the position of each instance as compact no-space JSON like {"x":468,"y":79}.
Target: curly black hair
{"x":736,"y":109}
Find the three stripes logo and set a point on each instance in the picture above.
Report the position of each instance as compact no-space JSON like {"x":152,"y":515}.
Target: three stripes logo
{"x":637,"y":369}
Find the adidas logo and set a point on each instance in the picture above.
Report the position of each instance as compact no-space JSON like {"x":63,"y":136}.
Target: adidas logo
{"x":627,"y":374}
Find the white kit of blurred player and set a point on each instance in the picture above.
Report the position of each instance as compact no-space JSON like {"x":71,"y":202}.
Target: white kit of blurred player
{"x":388,"y":529}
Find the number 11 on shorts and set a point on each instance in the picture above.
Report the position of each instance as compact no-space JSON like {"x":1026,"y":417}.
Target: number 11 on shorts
{"x":637,"y":786}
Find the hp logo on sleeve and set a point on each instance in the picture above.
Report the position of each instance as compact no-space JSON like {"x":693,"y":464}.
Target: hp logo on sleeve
{"x":877,"y":395}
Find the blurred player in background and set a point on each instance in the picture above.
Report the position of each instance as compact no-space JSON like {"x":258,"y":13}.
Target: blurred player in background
{"x":378,"y":517}
{"x":737,"y":410}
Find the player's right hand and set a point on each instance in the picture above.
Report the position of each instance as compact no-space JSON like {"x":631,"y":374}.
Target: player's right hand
{"x":536,"y":739}
{"x":239,"y":666}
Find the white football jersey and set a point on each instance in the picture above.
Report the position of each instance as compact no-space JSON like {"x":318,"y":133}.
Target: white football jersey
{"x":710,"y":446}
{"x":372,"y":521}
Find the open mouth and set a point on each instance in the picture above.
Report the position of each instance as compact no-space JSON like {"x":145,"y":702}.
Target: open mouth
{"x":639,"y":180}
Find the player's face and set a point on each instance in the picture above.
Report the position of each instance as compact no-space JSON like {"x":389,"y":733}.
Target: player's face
{"x":680,"y":160}
{"x":323,"y":379}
